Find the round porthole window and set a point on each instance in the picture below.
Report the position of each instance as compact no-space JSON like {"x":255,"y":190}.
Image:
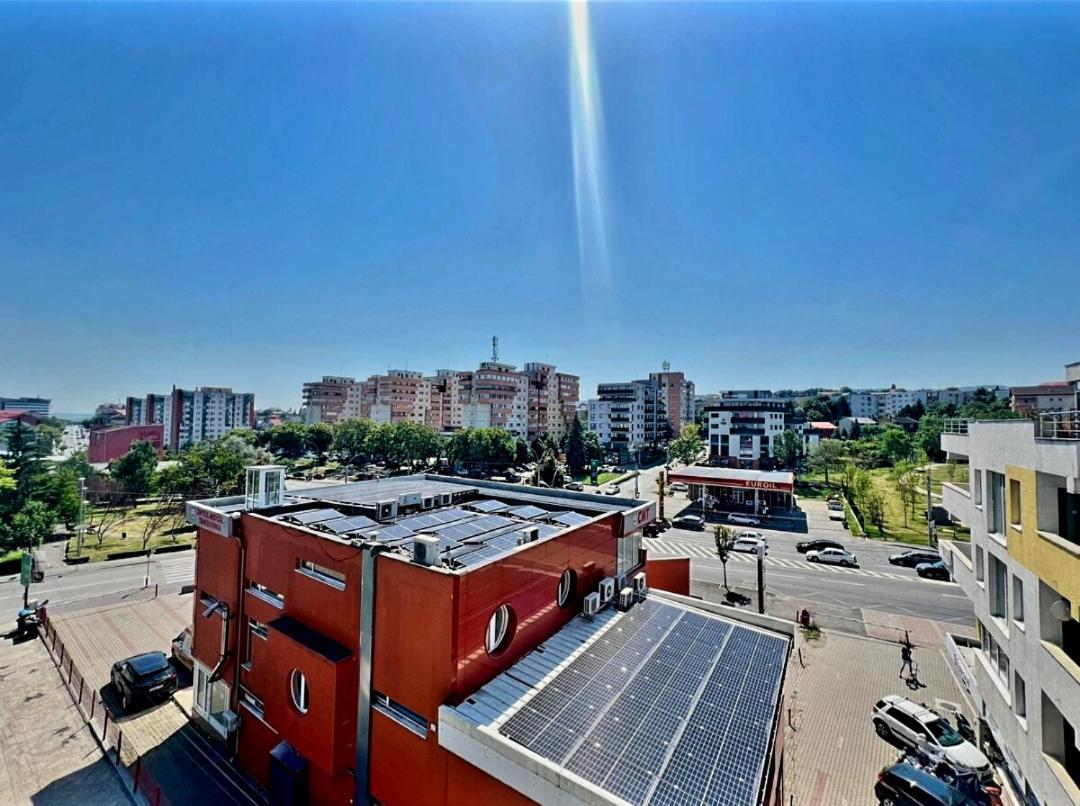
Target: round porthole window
{"x":499,"y":630}
{"x":567,"y":588}
{"x":299,"y":690}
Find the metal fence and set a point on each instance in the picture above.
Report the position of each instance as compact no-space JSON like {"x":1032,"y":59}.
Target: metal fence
{"x":1064,"y":425}
{"x":95,"y":713}
{"x":955,"y":425}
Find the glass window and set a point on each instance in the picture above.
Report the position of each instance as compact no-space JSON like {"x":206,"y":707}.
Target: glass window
{"x":298,"y":688}
{"x":498,"y":630}
{"x":1019,"y":695}
{"x":322,"y":573}
{"x":1014,"y":502}
{"x":943,"y":733}
{"x":998,"y":592}
{"x":976,"y":487}
{"x":567,"y":587}
{"x":995,"y":515}
{"x":1018,"y":599}
{"x":269,"y":596}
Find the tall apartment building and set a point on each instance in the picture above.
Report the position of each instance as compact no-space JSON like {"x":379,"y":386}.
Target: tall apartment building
{"x":394,"y":397}
{"x":629,"y":416}
{"x":678,"y":395}
{"x":1022,"y":573}
{"x":741,"y":432}
{"x":877,"y":404}
{"x":330,"y":400}
{"x":38,"y":406}
{"x":191,"y":416}
{"x":552,"y":400}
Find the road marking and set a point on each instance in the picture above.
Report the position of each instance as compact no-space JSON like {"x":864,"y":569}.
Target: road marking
{"x":845,"y":582}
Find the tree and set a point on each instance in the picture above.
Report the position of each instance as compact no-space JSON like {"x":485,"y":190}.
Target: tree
{"x":906,"y":480}
{"x":24,"y":458}
{"x":787,"y":447}
{"x":134,"y":471}
{"x":30,"y":526}
{"x":576,"y":456}
{"x":380,"y":441}
{"x":594,"y":450}
{"x":168,"y":510}
{"x":725,"y":540}
{"x":350,"y":441}
{"x":521,"y":451}
{"x":7,"y":479}
{"x":928,"y":436}
{"x":915,"y":411}
{"x":60,"y":492}
{"x":288,"y":439}
{"x":827,"y":454}
{"x":847,"y":477}
{"x":320,"y":437}
{"x":688,"y":446}
{"x":549,"y":471}
{"x":895,"y":444}
{"x":874,"y":507}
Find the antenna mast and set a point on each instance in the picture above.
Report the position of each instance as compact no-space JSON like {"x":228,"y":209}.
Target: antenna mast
{"x":495,"y":349}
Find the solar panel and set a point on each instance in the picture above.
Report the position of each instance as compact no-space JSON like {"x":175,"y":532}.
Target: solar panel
{"x":310,"y":516}
{"x":395,"y":531}
{"x":570,"y":518}
{"x":528,"y":512}
{"x":673,"y":706}
{"x":487,"y":505}
{"x":547,"y":530}
{"x":340,"y":526}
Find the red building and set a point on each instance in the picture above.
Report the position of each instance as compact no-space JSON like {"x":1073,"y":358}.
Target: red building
{"x":107,"y":444}
{"x":350,"y":642}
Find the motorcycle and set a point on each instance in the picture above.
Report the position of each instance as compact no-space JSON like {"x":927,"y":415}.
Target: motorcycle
{"x":29,"y":620}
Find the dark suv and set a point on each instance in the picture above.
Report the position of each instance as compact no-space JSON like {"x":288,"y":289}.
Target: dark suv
{"x":143,"y":678}
{"x":909,"y":559}
{"x":905,"y":785}
{"x":817,"y":545}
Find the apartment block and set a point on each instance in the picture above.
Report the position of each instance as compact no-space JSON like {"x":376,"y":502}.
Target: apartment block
{"x":191,"y":416}
{"x":331,"y":399}
{"x":629,"y":416}
{"x":877,"y":404}
{"x":678,"y":395}
{"x":38,"y":406}
{"x":552,"y":400}
{"x":1022,"y":573}
{"x":741,"y":432}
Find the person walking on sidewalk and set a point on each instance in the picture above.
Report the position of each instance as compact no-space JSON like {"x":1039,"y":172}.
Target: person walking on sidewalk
{"x":905,"y":660}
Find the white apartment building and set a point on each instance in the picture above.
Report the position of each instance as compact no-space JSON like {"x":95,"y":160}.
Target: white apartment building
{"x":629,"y":416}
{"x":38,"y":406}
{"x":742,"y":431}
{"x":877,"y":404}
{"x":1022,"y":573}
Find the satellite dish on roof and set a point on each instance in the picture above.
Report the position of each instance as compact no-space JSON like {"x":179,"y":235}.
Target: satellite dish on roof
{"x":1061,"y":610}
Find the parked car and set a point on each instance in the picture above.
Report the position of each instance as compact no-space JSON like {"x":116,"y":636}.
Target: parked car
{"x":611,"y":489}
{"x":912,"y":724}
{"x":181,"y":648}
{"x":678,"y":486}
{"x":905,"y":785}
{"x":743,"y":520}
{"x":836,"y":514}
{"x":804,"y":546}
{"x":688,"y":522}
{"x":757,"y":535}
{"x":934,"y":570}
{"x":573,"y":485}
{"x":835,"y":504}
{"x":910,"y":559}
{"x":832,"y":557}
{"x":749,"y":545}
{"x":143,"y":678}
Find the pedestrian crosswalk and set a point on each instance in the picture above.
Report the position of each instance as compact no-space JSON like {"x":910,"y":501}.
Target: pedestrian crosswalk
{"x":178,"y":570}
{"x":705,"y":552}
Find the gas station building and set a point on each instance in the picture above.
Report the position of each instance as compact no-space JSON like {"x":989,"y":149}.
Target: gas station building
{"x":756,"y":491}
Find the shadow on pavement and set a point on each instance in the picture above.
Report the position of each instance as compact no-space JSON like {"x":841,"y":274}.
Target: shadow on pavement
{"x":95,"y":783}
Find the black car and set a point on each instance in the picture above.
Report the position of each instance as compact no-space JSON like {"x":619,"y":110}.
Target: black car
{"x":817,"y":545}
{"x":905,"y":785}
{"x":688,"y":522}
{"x":909,"y":559}
{"x":935,"y":570}
{"x":143,"y":678}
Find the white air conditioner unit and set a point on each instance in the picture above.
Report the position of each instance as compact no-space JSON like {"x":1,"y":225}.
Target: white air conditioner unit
{"x":428,"y":502}
{"x":626,"y":598}
{"x":446,"y":499}
{"x":386,"y":510}
{"x":409,"y":500}
{"x":230,"y":721}
{"x":528,"y":535}
{"x":640,"y":585}
{"x":591,"y":606}
{"x":607,"y":590}
{"x":426,"y":550}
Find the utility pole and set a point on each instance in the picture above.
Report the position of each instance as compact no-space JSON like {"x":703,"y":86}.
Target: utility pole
{"x":761,"y":578}
{"x":931,"y":532}
{"x":82,"y":518}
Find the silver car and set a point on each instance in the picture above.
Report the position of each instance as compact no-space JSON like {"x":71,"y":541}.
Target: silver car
{"x":841,"y":557}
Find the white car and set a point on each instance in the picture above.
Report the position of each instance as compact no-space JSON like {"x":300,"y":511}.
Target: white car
{"x":832,"y":557}
{"x":749,"y":545}
{"x":899,"y":718}
{"x":611,"y":489}
{"x":677,"y":486}
{"x":743,"y":520}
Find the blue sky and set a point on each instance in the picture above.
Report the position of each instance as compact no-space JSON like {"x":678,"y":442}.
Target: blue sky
{"x":256,"y":195}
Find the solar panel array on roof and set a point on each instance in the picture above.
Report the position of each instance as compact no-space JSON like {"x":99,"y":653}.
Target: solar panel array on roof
{"x":431,"y":520}
{"x":673,"y":707}
{"x":341,"y":526}
{"x":570,"y":519}
{"x":528,"y":512}
{"x":487,"y":505}
{"x":309,"y":516}
{"x":394,"y":531}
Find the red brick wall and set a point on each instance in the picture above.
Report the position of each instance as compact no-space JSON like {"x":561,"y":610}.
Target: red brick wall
{"x":107,"y":444}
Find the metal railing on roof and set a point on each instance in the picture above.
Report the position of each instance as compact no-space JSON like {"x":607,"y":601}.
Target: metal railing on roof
{"x":955,"y":425}
{"x":1064,"y":425}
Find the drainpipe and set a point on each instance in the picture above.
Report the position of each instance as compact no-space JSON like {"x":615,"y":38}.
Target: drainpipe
{"x":362,"y":768}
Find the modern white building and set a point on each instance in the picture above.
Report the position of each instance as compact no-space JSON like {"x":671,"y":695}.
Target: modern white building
{"x":741,"y":432}
{"x":629,"y":416}
{"x":38,"y":406}
{"x":1021,"y":571}
{"x":878,"y":404}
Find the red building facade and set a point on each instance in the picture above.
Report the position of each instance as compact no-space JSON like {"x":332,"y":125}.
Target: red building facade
{"x":107,"y":444}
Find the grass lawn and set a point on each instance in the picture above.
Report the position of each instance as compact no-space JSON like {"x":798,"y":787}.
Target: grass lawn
{"x":133,"y":523}
{"x":915,"y":529}
{"x":602,"y":478}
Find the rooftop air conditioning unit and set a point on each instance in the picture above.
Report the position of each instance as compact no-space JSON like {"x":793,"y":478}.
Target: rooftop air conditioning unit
{"x":409,"y":500}
{"x":626,"y":598}
{"x":528,"y":535}
{"x":426,"y":550}
{"x":640,"y":585}
{"x":446,"y":499}
{"x":607,"y":590}
{"x":591,"y":606}
{"x":230,"y":721}
{"x":428,"y":502}
{"x":386,"y":510}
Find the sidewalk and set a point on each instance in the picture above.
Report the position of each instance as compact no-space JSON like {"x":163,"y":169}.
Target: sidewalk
{"x":47,"y":754}
{"x":833,"y":753}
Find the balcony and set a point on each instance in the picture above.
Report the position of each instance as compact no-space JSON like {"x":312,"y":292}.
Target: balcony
{"x":1058,"y":425}
{"x":956,"y":498}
